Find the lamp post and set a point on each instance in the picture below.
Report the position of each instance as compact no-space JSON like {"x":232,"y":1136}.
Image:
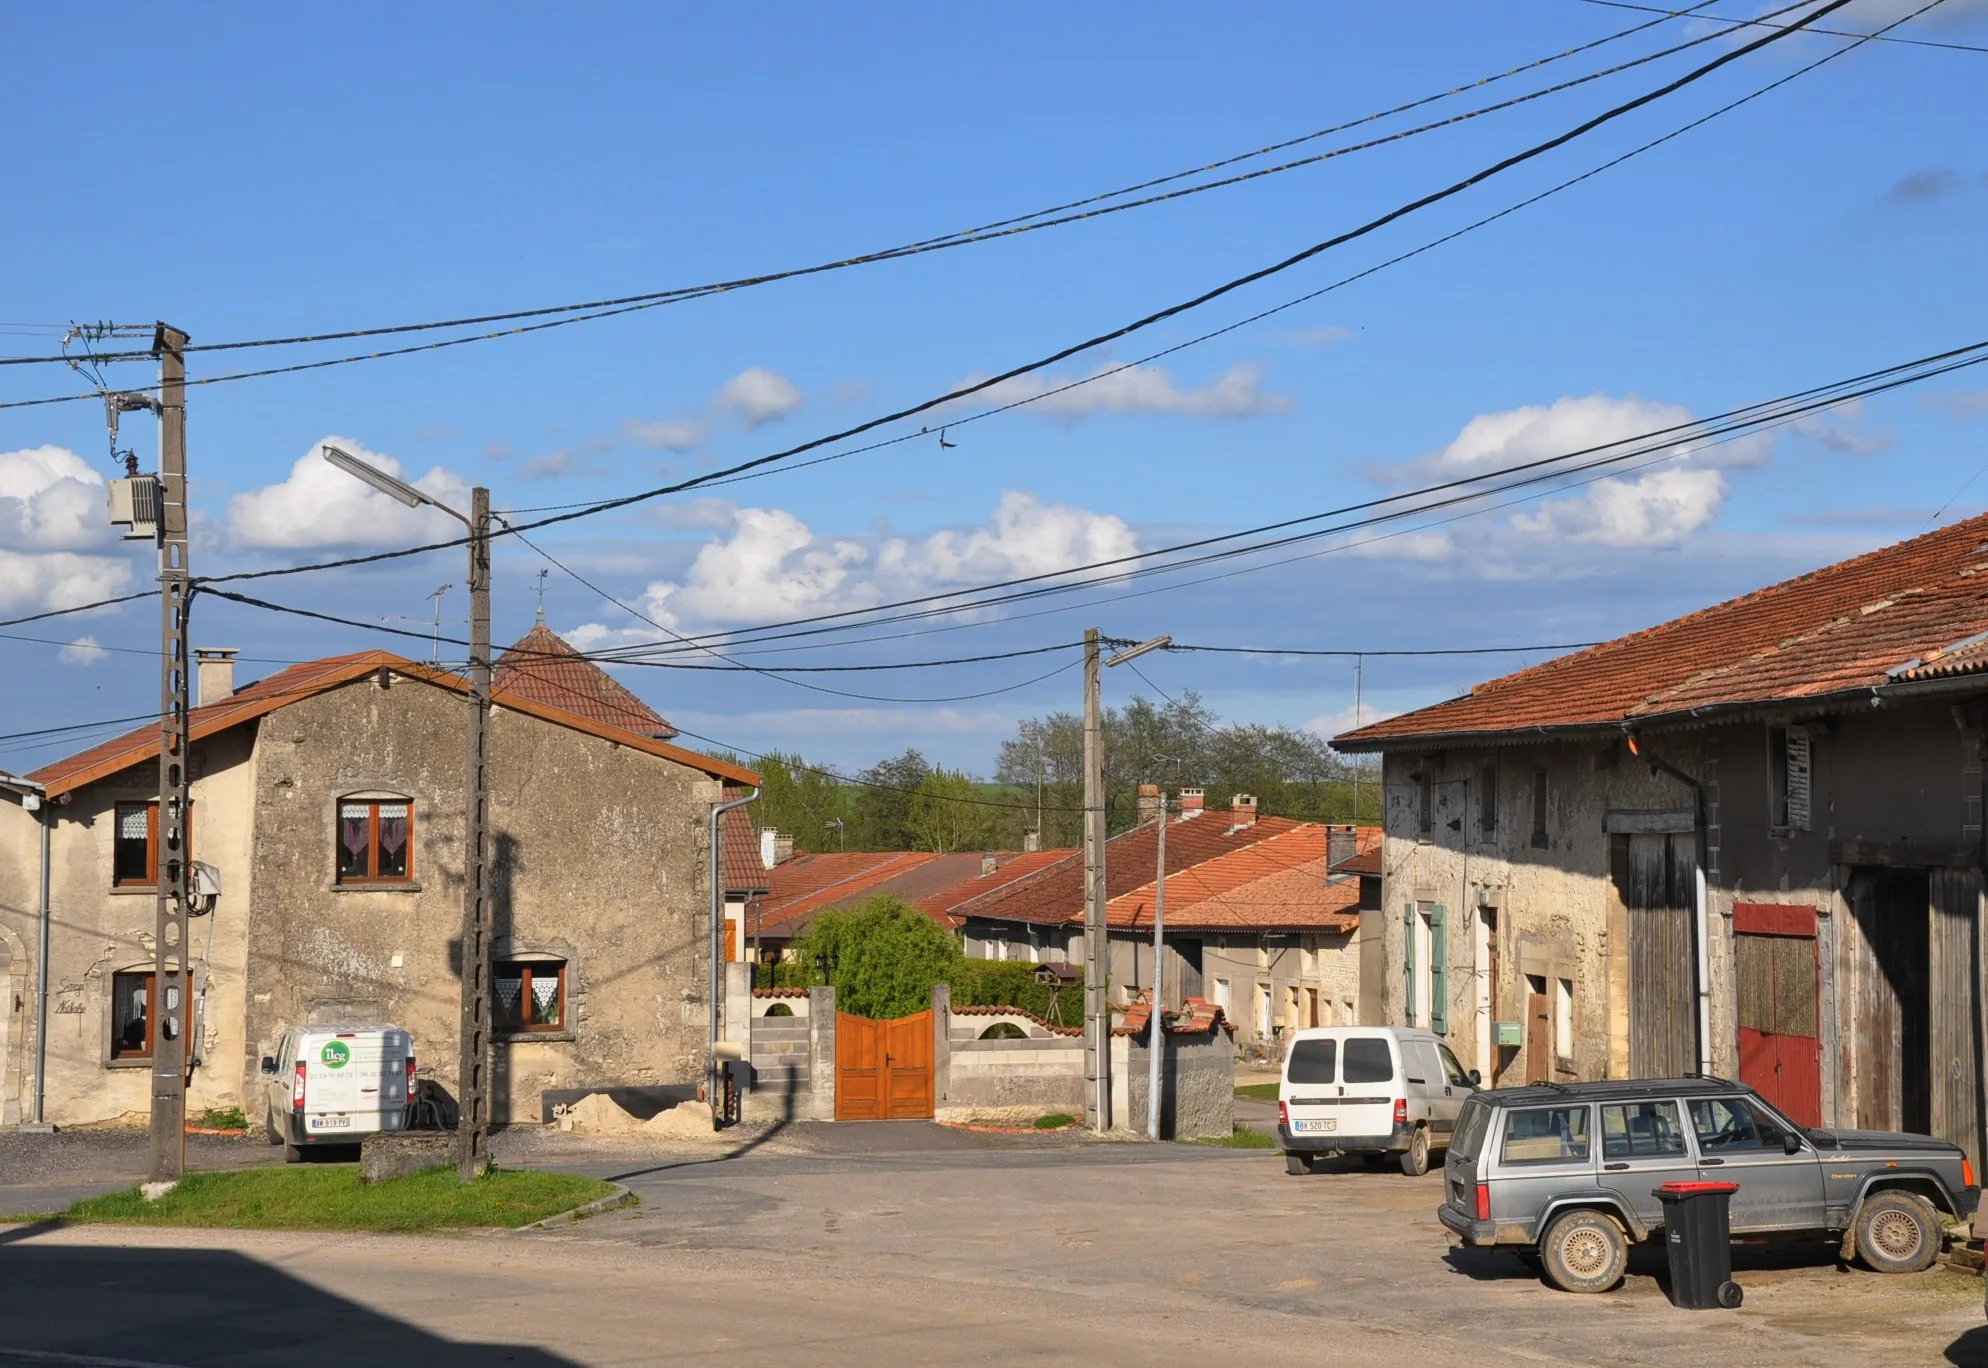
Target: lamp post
{"x":473,"y":1064}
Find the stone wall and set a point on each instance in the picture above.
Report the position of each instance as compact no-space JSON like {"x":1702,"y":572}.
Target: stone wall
{"x":1197,"y":1085}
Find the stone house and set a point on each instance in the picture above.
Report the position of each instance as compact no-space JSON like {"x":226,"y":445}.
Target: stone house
{"x":1747,"y":842}
{"x":328,"y":799}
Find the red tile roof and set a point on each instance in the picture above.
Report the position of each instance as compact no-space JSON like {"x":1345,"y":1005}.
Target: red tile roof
{"x":1907,"y":613}
{"x":808,"y":884}
{"x":949,"y":905}
{"x":315,"y":677}
{"x":1047,"y":1025}
{"x":1055,"y":894}
{"x":1197,"y":1016}
{"x":1278,"y":884}
{"x":745,"y":871}
{"x":541,"y":666}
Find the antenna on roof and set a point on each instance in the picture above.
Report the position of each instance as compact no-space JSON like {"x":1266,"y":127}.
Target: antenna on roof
{"x":541,"y":596}
{"x":437,"y":597}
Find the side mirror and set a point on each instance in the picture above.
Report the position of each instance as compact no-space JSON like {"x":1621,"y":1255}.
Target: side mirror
{"x":1476,"y":1078}
{"x":1791,"y":1142}
{"x":269,"y":1064}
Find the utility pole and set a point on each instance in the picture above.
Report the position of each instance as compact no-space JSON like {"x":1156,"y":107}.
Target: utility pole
{"x":170,"y":1005}
{"x":1359,"y":668}
{"x":473,"y":1068}
{"x":1155,"y":1037}
{"x":1097,"y":1005}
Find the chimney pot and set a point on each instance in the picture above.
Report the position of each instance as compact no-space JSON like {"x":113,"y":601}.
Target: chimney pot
{"x":1243,"y":805}
{"x":214,"y":673}
{"x":783,"y":847}
{"x":1191,"y":800}
{"x":767,"y":837}
{"x":988,"y":864}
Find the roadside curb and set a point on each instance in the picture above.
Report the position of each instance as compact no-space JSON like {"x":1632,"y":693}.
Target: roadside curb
{"x":620,"y":1197}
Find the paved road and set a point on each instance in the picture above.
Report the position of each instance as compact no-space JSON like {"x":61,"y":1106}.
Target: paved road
{"x":896,"y":1244}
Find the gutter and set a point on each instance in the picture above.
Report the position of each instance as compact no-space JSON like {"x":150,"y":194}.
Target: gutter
{"x":1701,"y":929}
{"x":34,"y":798}
{"x":718,"y":810}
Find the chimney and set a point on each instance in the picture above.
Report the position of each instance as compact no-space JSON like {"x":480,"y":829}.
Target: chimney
{"x":1149,"y":802}
{"x":1031,"y":841}
{"x":767,"y":838}
{"x":1342,"y":843}
{"x":1190,"y":803}
{"x":783,"y":847}
{"x":1243,"y":805}
{"x":989,"y":863}
{"x":215,"y":679}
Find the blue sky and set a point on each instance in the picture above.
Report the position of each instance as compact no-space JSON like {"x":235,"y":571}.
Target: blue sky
{"x":254,"y":172}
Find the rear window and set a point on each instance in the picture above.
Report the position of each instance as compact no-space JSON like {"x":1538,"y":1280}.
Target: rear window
{"x":1545,"y":1135}
{"x":1367,"y":1061}
{"x":1313,"y":1061}
{"x":1471,"y":1124}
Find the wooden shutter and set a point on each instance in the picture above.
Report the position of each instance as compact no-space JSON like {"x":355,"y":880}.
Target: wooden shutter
{"x":1408,"y":962}
{"x":1439,"y":970}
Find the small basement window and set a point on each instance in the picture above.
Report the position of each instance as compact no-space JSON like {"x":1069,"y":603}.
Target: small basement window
{"x":375,"y":840}
{"x":531,"y":996}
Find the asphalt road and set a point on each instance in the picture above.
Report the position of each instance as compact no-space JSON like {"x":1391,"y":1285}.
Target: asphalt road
{"x":902,"y":1243}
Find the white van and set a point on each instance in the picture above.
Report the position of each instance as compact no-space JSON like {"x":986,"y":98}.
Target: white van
{"x":335,"y":1085}
{"x":1369,"y":1090}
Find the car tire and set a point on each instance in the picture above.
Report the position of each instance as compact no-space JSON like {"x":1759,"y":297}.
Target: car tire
{"x":1584,"y":1251}
{"x":1415,"y":1159}
{"x":269,"y":1124}
{"x":1898,"y":1232}
{"x":1296,"y":1163}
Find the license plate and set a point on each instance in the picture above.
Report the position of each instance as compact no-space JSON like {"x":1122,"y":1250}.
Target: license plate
{"x":332,"y":1122}
{"x":1330,"y":1123}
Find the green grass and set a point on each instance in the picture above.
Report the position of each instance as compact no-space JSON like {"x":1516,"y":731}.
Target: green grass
{"x":1257,"y":1092}
{"x":1055,"y":1121}
{"x":221,"y":1118}
{"x":323,"y":1197}
{"x":1241,"y":1138}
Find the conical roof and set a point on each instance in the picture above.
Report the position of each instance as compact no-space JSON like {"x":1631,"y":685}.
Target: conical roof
{"x":542,"y":667}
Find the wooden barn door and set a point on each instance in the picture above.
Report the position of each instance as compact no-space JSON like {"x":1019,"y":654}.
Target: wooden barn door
{"x":1953,"y":1101}
{"x":1780,"y":1044}
{"x":1655,"y":875}
{"x":883,"y":1069}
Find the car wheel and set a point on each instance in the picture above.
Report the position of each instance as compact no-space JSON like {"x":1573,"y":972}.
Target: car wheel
{"x":1898,"y":1232}
{"x":269,"y":1124}
{"x":1295,"y":1163}
{"x":1415,"y":1159}
{"x":1584,"y":1251}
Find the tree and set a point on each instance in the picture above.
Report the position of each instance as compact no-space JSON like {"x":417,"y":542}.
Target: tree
{"x":886,"y":955}
{"x":799,"y":800}
{"x":880,"y":810}
{"x":946,"y":815}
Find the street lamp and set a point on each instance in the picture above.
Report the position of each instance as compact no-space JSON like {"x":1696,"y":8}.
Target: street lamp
{"x":473,"y":1066}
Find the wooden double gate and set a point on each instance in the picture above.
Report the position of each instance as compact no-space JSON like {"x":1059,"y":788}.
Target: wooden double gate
{"x":883,"y":1069}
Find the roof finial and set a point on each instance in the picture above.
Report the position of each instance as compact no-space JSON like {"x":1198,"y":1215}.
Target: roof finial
{"x":541,"y":596}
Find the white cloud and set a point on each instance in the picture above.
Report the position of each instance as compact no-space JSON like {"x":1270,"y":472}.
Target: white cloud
{"x":83,"y":651}
{"x":51,"y":514}
{"x":665,"y":434}
{"x":759,"y":396}
{"x":1595,"y":423}
{"x":1236,"y":393}
{"x":771,"y":565}
{"x":1329,"y":725}
{"x":1660,"y":508}
{"x":320,"y":505}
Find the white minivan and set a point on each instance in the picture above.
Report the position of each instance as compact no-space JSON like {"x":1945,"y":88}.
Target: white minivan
{"x":1369,"y":1090}
{"x":335,"y":1085}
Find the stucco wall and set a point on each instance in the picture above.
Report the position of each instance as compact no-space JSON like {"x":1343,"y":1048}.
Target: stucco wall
{"x":1046,"y":1073}
{"x":1197,"y":1086}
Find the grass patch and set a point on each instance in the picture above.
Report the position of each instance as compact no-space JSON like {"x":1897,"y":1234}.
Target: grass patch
{"x":1242,"y":1137}
{"x":1055,"y":1121}
{"x":1257,"y":1092}
{"x":221,"y":1118}
{"x":323,"y":1197}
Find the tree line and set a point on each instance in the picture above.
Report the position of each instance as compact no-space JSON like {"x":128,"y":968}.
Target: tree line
{"x":907,"y":803}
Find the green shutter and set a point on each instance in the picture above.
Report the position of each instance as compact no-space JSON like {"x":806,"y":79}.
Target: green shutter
{"x":1439,"y":971}
{"x":1408,"y":963}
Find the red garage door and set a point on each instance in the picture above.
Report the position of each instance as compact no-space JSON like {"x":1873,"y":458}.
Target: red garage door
{"x":1780,"y":1045}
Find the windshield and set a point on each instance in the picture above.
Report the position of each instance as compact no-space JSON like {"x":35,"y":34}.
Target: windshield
{"x":1313,"y":1061}
{"x":1471,"y":1124}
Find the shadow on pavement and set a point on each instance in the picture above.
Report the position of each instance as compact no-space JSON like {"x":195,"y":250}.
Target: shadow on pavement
{"x":747,"y":1148}
{"x":199,"y":1307}
{"x":1970,"y":1350}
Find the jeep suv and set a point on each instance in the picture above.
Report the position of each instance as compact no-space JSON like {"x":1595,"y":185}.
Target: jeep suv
{"x":1565,"y":1175}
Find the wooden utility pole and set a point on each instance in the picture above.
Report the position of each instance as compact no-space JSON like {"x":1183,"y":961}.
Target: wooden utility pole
{"x":1097,"y":947}
{"x":473,"y":1068}
{"x":171,"y":1004}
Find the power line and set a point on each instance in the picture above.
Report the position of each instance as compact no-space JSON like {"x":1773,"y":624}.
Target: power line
{"x":600,"y":308}
{"x":1161,"y":315}
{"x":1693,"y":13}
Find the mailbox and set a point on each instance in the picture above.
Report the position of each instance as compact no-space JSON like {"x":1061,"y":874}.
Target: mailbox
{"x":1507,"y":1033}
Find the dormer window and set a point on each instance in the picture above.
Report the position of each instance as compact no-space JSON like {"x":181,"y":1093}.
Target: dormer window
{"x":375,"y":839}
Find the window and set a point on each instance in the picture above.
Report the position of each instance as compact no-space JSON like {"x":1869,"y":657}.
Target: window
{"x":1788,"y":777}
{"x":133,"y":1012}
{"x":1425,"y":972}
{"x":1470,"y":1128}
{"x":1222,"y":995}
{"x":1728,"y":1125}
{"x":1313,"y":1061}
{"x":375,"y":840}
{"x":1546,"y":1135}
{"x":1453,"y":1069}
{"x":1539,"y":808}
{"x":1641,"y":1130}
{"x":1367,"y":1060}
{"x":1487,"y":803}
{"x":1563,"y":1018}
{"x":1263,"y":1009}
{"x":531,"y":996}
{"x":778,"y":1009}
{"x":134,"y":859}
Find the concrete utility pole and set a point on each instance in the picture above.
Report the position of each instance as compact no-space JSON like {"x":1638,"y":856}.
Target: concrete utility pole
{"x":1097,"y":1006}
{"x":170,"y":1005}
{"x":473,"y":1059}
{"x":1155,"y":1037}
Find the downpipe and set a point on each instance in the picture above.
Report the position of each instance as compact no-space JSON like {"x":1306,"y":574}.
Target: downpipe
{"x":718,"y":810}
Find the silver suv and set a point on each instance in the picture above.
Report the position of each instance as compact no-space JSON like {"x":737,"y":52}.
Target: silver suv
{"x":1565,"y":1175}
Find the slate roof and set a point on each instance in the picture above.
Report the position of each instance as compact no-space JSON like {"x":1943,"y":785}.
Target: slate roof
{"x":541,"y":666}
{"x":313,"y":677}
{"x":1910,"y":613}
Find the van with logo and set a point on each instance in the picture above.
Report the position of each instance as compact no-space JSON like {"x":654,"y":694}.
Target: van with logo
{"x":1382,"y":1092}
{"x":335,"y":1085}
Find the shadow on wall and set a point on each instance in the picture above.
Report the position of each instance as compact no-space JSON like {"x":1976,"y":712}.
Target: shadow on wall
{"x":196,"y":1307}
